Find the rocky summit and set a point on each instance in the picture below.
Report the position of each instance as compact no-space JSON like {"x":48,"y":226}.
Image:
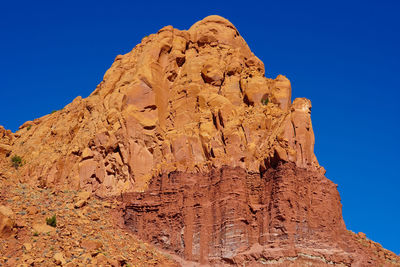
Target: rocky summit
{"x":185,"y":154}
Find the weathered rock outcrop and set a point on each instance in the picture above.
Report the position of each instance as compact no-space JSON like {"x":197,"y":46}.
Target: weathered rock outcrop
{"x":221,"y":214}
{"x":180,"y":101}
{"x":288,"y":216}
{"x":6,"y":138}
{"x":211,"y":158}
{"x":7,"y":221}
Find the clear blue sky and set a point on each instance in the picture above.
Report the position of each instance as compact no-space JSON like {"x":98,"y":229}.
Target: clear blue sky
{"x":343,"y":55}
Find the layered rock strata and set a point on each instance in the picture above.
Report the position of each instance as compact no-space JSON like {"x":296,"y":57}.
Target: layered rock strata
{"x":211,"y":159}
{"x":288,"y":216}
{"x":218,"y":215}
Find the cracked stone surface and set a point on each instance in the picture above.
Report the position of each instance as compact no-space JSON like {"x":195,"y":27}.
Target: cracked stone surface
{"x":185,"y":145}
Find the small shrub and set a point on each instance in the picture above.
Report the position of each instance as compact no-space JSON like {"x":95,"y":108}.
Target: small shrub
{"x":29,"y":127}
{"x":35,"y":234}
{"x":52,"y":221}
{"x":16,"y":161}
{"x":265,"y":101}
{"x":54,"y":111}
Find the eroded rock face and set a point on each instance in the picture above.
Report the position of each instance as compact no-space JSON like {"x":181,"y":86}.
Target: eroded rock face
{"x":212,"y":159}
{"x":219,"y":215}
{"x":183,"y":101}
{"x":288,"y":216}
{"x":7,"y":221}
{"x":6,"y":138}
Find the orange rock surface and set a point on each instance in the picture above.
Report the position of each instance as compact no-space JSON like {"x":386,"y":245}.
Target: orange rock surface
{"x":179,"y":101}
{"x":85,"y":236}
{"x":208,"y":158}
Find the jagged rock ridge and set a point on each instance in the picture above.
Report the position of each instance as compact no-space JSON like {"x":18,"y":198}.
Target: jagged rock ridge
{"x":181,"y":100}
{"x":184,"y":117}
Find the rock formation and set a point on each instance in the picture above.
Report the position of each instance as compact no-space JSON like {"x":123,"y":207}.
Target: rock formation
{"x":212,"y":160}
{"x":180,"y":101}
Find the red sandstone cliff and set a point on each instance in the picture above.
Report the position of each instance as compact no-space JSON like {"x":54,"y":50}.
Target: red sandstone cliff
{"x":212,"y":160}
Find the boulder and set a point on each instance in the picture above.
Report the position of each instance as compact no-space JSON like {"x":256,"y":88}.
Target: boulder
{"x":7,"y":221}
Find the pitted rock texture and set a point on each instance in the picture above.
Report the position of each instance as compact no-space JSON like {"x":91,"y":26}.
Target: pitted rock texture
{"x":182,"y":101}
